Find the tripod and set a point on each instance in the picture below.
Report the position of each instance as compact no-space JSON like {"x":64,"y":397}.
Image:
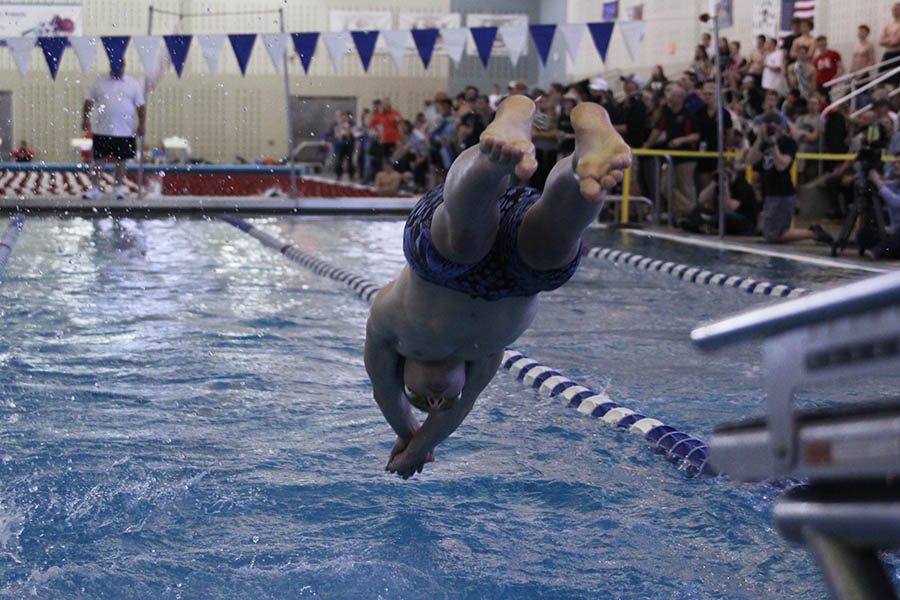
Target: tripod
{"x":866,"y":212}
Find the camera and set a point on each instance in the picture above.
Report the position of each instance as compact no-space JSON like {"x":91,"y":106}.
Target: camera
{"x":771,"y":130}
{"x":869,"y":158}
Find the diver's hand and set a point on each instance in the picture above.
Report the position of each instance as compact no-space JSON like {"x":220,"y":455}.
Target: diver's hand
{"x":406,"y":464}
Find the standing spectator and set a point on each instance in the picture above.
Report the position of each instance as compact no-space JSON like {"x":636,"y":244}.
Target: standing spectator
{"x":484,"y":110}
{"x":121,"y":114}
{"x":863,"y":52}
{"x":805,"y":39}
{"x":634,"y":128}
{"x":386,"y":123}
{"x":757,"y":62}
{"x":565,"y":129}
{"x":600,"y":93}
{"x":829,"y":64}
{"x":706,"y":43}
{"x":752,"y":96}
{"x":806,"y":131}
{"x":545,"y":138}
{"x":773,"y":78}
{"x":658,"y":80}
{"x":737,"y":68}
{"x":442,"y":139}
{"x":361,"y":135}
{"x":23,"y":153}
{"x":802,"y":73}
{"x":677,"y":129}
{"x":690,"y":83}
{"x":344,"y":143}
{"x":774,"y":152}
{"x":788,"y":42}
{"x":709,"y":133}
{"x":702,"y":67}
{"x":890,"y":41}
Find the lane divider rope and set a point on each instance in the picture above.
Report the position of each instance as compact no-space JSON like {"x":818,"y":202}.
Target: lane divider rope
{"x":16,"y":223}
{"x":687,"y":453}
{"x":696,"y":274}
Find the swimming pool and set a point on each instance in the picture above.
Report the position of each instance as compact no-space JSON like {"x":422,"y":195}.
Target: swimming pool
{"x":186,"y":414}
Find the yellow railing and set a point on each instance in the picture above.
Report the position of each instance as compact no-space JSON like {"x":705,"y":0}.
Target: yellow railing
{"x":626,"y":181}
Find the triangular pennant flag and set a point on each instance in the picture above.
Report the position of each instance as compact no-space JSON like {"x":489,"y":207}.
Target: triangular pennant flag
{"x":336,"y":42}
{"x":602,"y":33}
{"x":53,"y":48}
{"x":572,"y":35}
{"x":21,"y":48}
{"x":178,"y":46}
{"x":455,"y":41}
{"x":115,"y":46}
{"x":305,"y":45}
{"x":515,"y":39}
{"x":211,"y":47}
{"x":542,"y":35}
{"x":275,"y":44}
{"x":425,"y":40}
{"x":396,"y":44}
{"x":365,"y":45}
{"x":85,"y":49}
{"x":242,"y":44}
{"x":148,"y":50}
{"x":632,"y":33}
{"x":484,"y":40}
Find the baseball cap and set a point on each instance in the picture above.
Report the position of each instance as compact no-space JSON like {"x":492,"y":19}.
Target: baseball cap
{"x":633,"y":78}
{"x":598,"y":84}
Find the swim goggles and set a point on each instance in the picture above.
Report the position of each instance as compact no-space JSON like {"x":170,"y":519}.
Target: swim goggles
{"x":426,"y":405}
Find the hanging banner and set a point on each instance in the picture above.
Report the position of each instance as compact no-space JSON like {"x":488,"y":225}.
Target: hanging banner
{"x":53,"y":48}
{"x":455,"y":40}
{"x":242,"y":46}
{"x":40,"y":20}
{"x":178,"y":46}
{"x":633,"y":33}
{"x":484,"y":40}
{"x":396,"y":44}
{"x":86,"y":50}
{"x":515,"y":38}
{"x":20,"y":48}
{"x":275,"y":43}
{"x":602,"y":34}
{"x":726,"y":12}
{"x":305,"y":45}
{"x":572,"y":35}
{"x":336,"y":43}
{"x":211,"y":48}
{"x":365,"y":46}
{"x":542,"y":36}
{"x":115,"y":46}
{"x":425,"y":40}
{"x":147,"y":47}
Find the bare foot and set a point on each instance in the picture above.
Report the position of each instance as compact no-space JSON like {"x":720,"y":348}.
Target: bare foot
{"x":601,"y":155}
{"x":507,"y":140}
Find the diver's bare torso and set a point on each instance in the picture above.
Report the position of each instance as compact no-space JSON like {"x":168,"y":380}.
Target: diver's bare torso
{"x":430,"y":322}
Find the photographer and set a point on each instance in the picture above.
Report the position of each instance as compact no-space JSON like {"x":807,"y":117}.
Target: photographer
{"x":889,"y":190}
{"x":773,"y":153}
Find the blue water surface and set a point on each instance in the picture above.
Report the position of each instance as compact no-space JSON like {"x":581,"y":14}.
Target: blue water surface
{"x":185,"y":414}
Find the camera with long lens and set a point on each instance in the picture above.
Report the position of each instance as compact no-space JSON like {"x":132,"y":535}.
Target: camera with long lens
{"x":866,"y":214}
{"x":869,"y":159}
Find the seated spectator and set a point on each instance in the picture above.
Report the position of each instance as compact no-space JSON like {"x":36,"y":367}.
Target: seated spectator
{"x":741,"y":207}
{"x":658,"y":80}
{"x":23,"y":153}
{"x":387,"y":181}
{"x":565,"y":130}
{"x":702,"y":67}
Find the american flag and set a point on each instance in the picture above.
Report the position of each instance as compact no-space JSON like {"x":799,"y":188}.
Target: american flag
{"x":790,"y":9}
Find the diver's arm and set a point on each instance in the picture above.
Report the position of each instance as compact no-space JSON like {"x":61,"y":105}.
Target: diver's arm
{"x":383,"y":366}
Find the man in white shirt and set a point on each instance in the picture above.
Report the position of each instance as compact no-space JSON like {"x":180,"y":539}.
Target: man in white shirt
{"x":119,"y":100}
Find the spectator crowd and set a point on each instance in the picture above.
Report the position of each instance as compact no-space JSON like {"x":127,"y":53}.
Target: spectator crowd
{"x":774,"y":98}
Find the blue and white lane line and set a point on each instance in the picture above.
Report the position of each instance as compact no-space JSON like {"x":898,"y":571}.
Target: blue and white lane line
{"x":696,"y":274}
{"x":686,"y":452}
{"x":16,"y":223}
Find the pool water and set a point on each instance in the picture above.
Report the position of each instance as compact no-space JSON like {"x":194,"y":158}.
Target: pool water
{"x":186,"y":415}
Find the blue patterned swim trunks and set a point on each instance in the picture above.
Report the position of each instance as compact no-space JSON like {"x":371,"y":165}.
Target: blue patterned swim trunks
{"x":501,"y":273}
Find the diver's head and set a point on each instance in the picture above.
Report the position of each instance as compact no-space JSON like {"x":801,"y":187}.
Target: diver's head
{"x":434,"y":385}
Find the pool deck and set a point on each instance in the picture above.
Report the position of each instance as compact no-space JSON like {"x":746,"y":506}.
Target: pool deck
{"x":164,"y":206}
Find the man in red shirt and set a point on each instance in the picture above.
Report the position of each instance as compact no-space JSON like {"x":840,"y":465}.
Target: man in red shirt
{"x":828,"y":63}
{"x":386,"y":126}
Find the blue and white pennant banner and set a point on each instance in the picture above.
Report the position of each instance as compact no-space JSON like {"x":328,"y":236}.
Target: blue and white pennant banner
{"x":337,"y":45}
